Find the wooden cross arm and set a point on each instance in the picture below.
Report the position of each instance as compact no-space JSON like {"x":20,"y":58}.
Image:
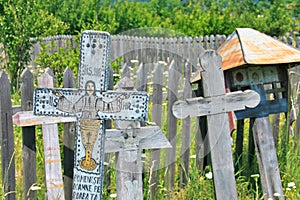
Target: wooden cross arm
{"x":150,"y":137}
{"x":202,"y":106}
{"x":26,"y":118}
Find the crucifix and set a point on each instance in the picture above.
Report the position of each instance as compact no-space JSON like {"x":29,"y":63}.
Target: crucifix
{"x":91,"y":104}
{"x":215,"y":104}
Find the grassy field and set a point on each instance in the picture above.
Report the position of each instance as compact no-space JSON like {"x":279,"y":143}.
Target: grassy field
{"x":201,"y":182}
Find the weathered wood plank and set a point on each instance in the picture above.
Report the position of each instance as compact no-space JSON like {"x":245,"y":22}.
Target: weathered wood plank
{"x":202,"y":144}
{"x":28,"y":137}
{"x":117,"y":143}
{"x":125,"y":71}
{"x":16,"y":108}
{"x":251,"y":146}
{"x":68,"y":140}
{"x":218,"y":129}
{"x":239,"y":145}
{"x":129,"y":172}
{"x":7,"y":139}
{"x":186,"y":129}
{"x":27,"y":118}
{"x":53,"y":170}
{"x":157,"y":118}
{"x":129,"y":141}
{"x":141,"y":84}
{"x":107,"y":156}
{"x":267,"y":158}
{"x":275,"y":125}
{"x":216,"y":104}
{"x":174,"y":76}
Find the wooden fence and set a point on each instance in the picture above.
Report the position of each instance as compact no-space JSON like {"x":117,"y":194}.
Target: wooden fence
{"x":165,"y":81}
{"x":152,"y":49}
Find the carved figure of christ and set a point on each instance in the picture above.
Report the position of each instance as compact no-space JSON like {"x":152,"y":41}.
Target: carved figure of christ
{"x":91,"y":104}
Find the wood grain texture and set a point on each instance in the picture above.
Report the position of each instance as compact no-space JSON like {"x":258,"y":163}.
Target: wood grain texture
{"x":7,"y":139}
{"x":53,"y":169}
{"x":174,"y":75}
{"x":216,"y":104}
{"x":28,"y":135}
{"x":157,"y":118}
{"x":128,"y":141}
{"x":68,"y":140}
{"x":239,"y":145}
{"x":218,"y":129}
{"x":27,"y":118}
{"x":186,"y":130}
{"x":267,"y":158}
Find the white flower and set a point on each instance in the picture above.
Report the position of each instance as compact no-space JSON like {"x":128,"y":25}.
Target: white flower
{"x":34,"y":188}
{"x":113,"y":195}
{"x":162,"y":62}
{"x":105,"y":163}
{"x":255,"y":176}
{"x":289,"y":189}
{"x":291,"y":184}
{"x":276,"y":194}
{"x":134,"y":61}
{"x":209,"y":175}
{"x":193,"y":156}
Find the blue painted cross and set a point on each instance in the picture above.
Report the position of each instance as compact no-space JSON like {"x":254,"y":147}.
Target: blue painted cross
{"x":91,"y":104}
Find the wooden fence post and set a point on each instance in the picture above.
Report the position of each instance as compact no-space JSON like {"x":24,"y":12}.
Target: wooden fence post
{"x":174,"y":75}
{"x":239,"y":145}
{"x":141,"y":84}
{"x":267,"y":158}
{"x":202,"y":143}
{"x":251,"y":146}
{"x":186,"y":129}
{"x":28,"y":136}
{"x":53,"y":170}
{"x":7,"y":139}
{"x":157,"y":118}
{"x":68,"y":140}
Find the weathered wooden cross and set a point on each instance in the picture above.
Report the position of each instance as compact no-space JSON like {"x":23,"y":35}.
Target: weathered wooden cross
{"x":215,"y":104}
{"x":91,"y":104}
{"x":128,"y":140}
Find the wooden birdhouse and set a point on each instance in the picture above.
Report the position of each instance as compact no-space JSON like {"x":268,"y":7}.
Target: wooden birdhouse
{"x":253,"y":60}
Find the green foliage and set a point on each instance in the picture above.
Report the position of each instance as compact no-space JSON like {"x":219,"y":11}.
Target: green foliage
{"x":115,"y":66}
{"x":189,"y":17}
{"x":19,"y":21}
{"x":23,"y":19}
{"x":57,"y":59}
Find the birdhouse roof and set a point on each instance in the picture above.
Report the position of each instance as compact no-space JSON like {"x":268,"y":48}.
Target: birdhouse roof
{"x":249,"y":46}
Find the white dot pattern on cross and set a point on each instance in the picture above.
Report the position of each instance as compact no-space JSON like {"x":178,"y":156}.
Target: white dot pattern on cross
{"x":91,"y":104}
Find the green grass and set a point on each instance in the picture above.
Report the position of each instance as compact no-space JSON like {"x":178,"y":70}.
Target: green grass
{"x":200,"y":185}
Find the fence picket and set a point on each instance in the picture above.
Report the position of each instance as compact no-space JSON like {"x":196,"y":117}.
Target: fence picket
{"x":69,"y":132}
{"x":157,"y":118}
{"x":267,"y":158}
{"x":174,"y":75}
{"x":28,"y":135}
{"x":186,"y":130}
{"x":7,"y":139}
{"x":53,"y":171}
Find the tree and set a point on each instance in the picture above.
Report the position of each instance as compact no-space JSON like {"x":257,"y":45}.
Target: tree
{"x":20,"y":20}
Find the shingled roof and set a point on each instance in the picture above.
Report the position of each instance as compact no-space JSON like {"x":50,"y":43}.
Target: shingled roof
{"x":249,"y":46}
